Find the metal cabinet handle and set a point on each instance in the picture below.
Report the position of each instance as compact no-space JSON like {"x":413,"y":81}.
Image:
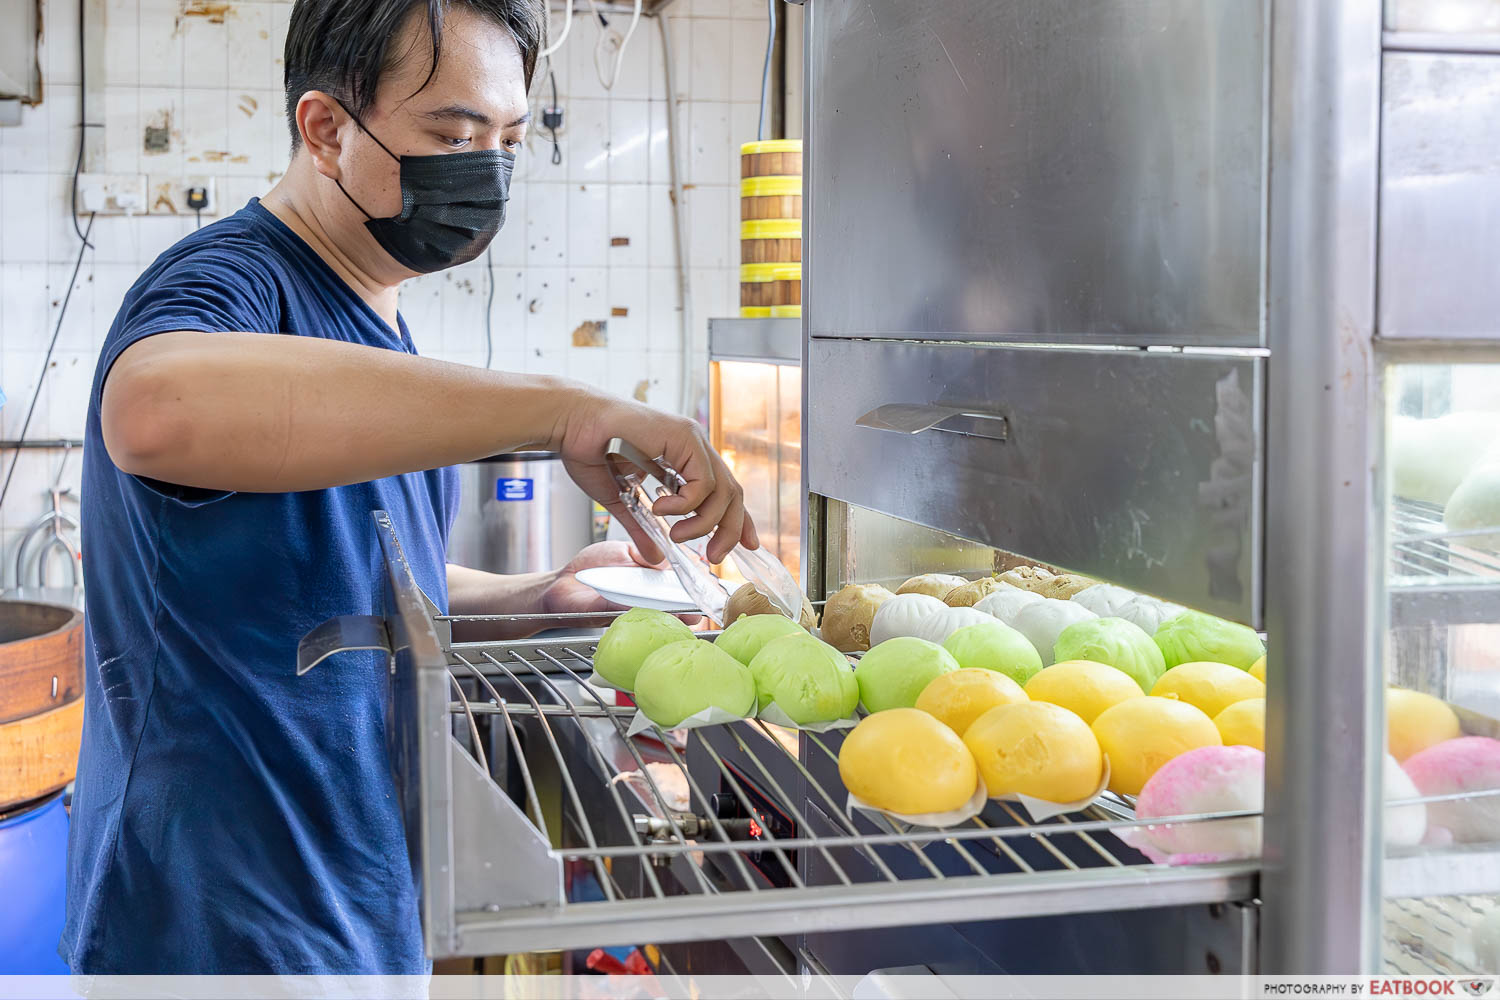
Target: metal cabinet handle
{"x":915,"y":418}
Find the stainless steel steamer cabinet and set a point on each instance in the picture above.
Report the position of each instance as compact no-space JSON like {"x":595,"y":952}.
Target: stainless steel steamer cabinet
{"x":1155,"y":269}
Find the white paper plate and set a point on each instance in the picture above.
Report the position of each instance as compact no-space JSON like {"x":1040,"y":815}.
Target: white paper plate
{"x":638,"y":587}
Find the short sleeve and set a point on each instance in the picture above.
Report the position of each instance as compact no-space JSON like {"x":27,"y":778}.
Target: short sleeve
{"x":209,"y":290}
{"x":212,"y":290}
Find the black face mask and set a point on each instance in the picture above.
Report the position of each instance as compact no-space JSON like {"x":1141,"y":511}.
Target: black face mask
{"x":452,"y":205}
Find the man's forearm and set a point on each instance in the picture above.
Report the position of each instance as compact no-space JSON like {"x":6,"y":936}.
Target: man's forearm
{"x":475,"y":592}
{"x":268,"y":413}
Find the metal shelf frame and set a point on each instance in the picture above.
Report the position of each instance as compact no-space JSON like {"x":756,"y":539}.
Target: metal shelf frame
{"x":499,"y":868}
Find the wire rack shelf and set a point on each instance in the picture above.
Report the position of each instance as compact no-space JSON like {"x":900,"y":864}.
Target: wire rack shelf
{"x":1437,"y":574}
{"x":744,"y":829}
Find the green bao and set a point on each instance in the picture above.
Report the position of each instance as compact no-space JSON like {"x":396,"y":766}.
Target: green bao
{"x":995,"y":646}
{"x":749,"y":635}
{"x":894,"y":673}
{"x":1193,"y":636}
{"x":631,"y":638}
{"x":807,"y":678}
{"x":681,"y":679}
{"x":1114,"y":641}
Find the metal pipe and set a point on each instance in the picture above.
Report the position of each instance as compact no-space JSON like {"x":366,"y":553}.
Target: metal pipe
{"x":1324,"y":717}
{"x":679,"y":228}
{"x":47,"y":443}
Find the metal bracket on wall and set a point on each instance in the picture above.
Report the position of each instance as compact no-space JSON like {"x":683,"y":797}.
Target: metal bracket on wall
{"x":915,"y":418}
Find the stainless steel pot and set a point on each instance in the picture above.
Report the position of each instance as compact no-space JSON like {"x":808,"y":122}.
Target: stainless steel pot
{"x":519,"y":513}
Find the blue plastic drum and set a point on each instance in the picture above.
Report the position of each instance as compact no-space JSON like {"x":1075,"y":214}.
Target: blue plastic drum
{"x":33,"y":879}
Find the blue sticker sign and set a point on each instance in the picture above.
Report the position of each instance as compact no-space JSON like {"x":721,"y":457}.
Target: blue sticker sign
{"x":513,"y":489}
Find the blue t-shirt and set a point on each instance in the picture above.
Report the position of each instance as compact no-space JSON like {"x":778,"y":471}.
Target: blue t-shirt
{"x":230,"y":816}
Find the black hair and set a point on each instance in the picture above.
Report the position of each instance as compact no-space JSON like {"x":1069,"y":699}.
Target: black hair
{"x":342,"y":47}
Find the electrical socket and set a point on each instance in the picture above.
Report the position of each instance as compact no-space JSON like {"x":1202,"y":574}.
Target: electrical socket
{"x":169,"y":195}
{"x":112,"y":194}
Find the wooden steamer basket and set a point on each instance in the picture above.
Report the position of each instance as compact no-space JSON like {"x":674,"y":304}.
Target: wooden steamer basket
{"x":771,"y":241}
{"x":41,"y":699}
{"x":771,"y":198}
{"x":771,"y":158}
{"x":771,"y":228}
{"x":767,"y":286}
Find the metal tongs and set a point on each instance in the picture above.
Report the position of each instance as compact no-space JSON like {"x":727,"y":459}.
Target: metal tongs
{"x":632,"y":469}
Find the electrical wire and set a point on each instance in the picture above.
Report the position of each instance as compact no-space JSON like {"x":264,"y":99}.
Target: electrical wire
{"x":605,"y":36}
{"x":765,"y":73}
{"x":620,"y":43}
{"x":567,"y":26}
{"x":556,"y":149}
{"x":635,"y":19}
{"x":489,"y":310}
{"x":83,"y":124}
{"x":47,"y":360}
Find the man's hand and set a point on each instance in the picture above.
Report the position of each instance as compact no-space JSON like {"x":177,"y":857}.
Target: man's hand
{"x":712,"y":497}
{"x":567,"y":596}
{"x":472,"y":592}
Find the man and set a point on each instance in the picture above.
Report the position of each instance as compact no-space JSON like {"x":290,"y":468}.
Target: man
{"x":257,"y":397}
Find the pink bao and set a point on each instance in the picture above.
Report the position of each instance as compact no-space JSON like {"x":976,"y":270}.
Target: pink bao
{"x":1206,"y":780}
{"x":1465,"y":764}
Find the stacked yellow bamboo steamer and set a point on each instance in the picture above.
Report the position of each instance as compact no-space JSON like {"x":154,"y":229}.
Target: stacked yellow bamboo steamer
{"x":771,"y":228}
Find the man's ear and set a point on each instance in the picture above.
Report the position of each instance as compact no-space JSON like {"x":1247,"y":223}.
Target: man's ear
{"x":319,"y":118}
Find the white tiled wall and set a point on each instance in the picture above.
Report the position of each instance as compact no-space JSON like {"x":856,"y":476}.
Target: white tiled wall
{"x":590,"y":239}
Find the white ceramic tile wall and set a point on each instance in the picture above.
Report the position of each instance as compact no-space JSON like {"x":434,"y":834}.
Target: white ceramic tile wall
{"x":588,"y":240}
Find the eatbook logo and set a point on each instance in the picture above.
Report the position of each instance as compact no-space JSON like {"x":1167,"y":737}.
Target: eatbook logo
{"x":1477,"y":987}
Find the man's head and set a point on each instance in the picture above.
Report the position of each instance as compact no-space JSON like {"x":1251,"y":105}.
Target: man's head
{"x":373,"y":82}
{"x":345,"y":48}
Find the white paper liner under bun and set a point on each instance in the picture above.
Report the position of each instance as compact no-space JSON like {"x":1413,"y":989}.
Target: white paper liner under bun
{"x":711,"y":716}
{"x":776,"y":716}
{"x":937,"y":820}
{"x":599,"y":682}
{"x":1139,"y":837}
{"x":1041,"y":810}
